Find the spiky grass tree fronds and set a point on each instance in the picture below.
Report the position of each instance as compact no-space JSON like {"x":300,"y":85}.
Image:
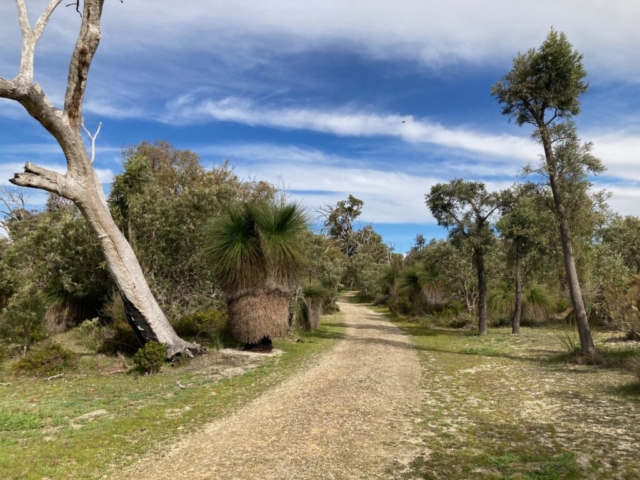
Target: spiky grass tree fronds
{"x":389,"y":279}
{"x":314,"y":295}
{"x":409,"y":283}
{"x":430,"y":286}
{"x":501,"y":300}
{"x":281,"y":230}
{"x":538,"y":303}
{"x":256,"y":253}
{"x":234,"y":250}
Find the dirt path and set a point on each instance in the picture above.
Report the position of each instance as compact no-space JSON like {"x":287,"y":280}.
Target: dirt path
{"x":342,"y":418}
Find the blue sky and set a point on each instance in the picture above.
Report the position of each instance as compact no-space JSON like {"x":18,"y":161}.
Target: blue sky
{"x":379,"y":99}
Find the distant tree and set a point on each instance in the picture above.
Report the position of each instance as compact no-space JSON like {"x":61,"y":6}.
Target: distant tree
{"x":543,"y":89}
{"x":80,"y":183}
{"x":623,"y":235}
{"x":465,"y":209}
{"x":339,"y":222}
{"x":256,"y":254}
{"x":522,"y":225}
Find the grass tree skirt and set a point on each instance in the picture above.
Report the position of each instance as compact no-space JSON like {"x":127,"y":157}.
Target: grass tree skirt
{"x":254,"y":316}
{"x":315,"y":310}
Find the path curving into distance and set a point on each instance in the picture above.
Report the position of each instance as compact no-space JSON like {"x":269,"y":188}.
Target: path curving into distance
{"x":342,"y":418}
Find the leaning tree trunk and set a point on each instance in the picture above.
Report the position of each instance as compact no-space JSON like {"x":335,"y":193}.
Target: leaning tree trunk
{"x":579,"y":311}
{"x":80,"y":183}
{"x":482,"y":291}
{"x":517,"y":313}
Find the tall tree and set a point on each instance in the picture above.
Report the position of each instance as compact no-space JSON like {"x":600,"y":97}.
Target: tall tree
{"x":465,"y":209}
{"x":80,"y":183}
{"x":543,"y":89}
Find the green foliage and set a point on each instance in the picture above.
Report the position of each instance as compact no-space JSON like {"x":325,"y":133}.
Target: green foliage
{"x":206,"y":325}
{"x":464,"y":208}
{"x":45,"y":360}
{"x":150,"y":358}
{"x":551,"y":77}
{"x":537,"y":302}
{"x":256,"y":243}
{"x":160,"y":201}
{"x":623,"y":235}
{"x":90,"y":334}
{"x":117,"y":335}
{"x":22,"y":321}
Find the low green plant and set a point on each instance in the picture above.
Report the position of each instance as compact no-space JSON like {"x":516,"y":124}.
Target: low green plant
{"x":46,"y":360}
{"x":208,"y":325}
{"x":150,"y":358}
{"x":22,"y":321}
{"x":90,"y":334}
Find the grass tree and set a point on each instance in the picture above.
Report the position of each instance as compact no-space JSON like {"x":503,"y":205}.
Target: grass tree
{"x":256,"y":254}
{"x":313,"y":297}
{"x":466,"y":209}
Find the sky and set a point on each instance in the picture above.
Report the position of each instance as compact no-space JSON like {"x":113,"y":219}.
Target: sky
{"x":326,"y":98}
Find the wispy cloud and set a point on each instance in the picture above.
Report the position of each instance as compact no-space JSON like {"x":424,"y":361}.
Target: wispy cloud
{"x":349,"y":122}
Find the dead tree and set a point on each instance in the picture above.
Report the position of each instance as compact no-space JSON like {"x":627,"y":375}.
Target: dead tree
{"x":80,"y":183}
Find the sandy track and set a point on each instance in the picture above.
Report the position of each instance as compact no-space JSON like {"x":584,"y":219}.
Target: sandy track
{"x":342,"y":418}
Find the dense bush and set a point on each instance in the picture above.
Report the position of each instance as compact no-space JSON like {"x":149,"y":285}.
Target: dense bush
{"x":22,"y":320}
{"x":207,"y":325}
{"x":46,"y":360}
{"x":150,"y":358}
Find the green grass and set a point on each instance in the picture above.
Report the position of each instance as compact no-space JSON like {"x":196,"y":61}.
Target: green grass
{"x":507,"y":407}
{"x":43,"y":433}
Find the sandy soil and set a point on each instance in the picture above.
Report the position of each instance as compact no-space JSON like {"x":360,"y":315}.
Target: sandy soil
{"x":345,"y":417}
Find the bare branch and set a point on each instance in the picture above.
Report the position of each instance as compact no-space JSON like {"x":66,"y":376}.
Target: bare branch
{"x":41,"y":178}
{"x":85,"y":49}
{"x":93,"y":140}
{"x":31,"y":37}
{"x":7,"y":87}
{"x":44,"y":19}
{"x":28,"y":46}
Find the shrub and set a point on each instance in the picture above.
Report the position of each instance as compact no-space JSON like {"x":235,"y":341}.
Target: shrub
{"x":205,"y":325}
{"x":118,"y":336}
{"x":49,"y":359}
{"x":151,"y":357}
{"x":22,"y":320}
{"x":91,"y":334}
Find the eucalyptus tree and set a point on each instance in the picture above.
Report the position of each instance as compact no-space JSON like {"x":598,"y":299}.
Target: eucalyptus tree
{"x":81,"y":183}
{"x":522,"y":225}
{"x":465,"y":208}
{"x":543,"y":89}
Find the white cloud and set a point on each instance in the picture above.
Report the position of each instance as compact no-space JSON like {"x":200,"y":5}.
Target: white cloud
{"x":349,"y":122}
{"x":431,"y":32}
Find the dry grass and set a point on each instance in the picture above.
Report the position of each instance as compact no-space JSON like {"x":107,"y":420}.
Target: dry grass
{"x":257,"y":315}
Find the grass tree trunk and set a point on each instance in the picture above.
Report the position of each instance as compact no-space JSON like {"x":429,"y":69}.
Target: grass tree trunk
{"x":579,"y":311}
{"x":482,"y":291}
{"x":315,"y":312}
{"x":517,"y":313}
{"x":258,"y":315}
{"x":80,"y":183}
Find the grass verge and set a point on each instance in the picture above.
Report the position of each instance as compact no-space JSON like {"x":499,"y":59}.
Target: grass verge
{"x":508,"y":407}
{"x":87,"y":423}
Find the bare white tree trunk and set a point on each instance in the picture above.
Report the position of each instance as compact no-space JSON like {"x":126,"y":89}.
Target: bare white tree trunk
{"x":80,"y":183}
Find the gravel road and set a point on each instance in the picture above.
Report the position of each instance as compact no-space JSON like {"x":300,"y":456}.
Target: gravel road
{"x":344,"y":417}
